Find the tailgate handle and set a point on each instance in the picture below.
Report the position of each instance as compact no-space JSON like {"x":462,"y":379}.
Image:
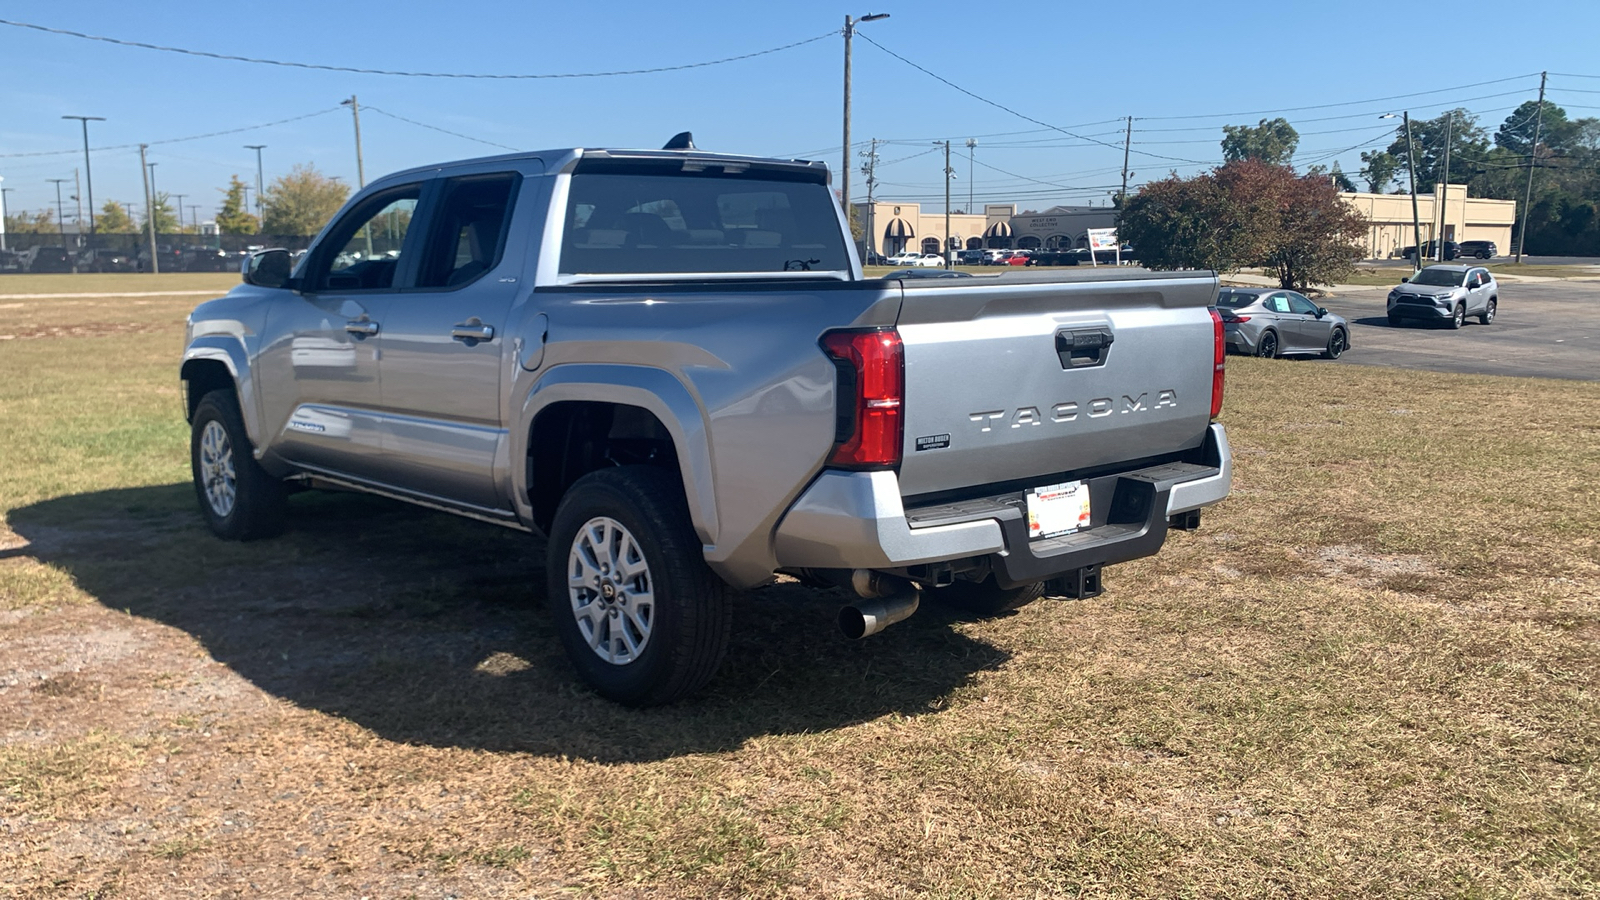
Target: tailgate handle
{"x":1083,"y":347}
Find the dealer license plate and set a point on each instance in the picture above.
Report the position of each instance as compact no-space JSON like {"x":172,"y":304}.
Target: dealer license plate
{"x":1058,"y":509}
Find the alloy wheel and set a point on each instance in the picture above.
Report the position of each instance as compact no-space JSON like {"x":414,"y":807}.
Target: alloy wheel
{"x":612,"y":593}
{"x":216,"y":469}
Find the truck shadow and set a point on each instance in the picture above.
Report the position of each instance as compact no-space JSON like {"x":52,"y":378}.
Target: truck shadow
{"x":430,"y":629}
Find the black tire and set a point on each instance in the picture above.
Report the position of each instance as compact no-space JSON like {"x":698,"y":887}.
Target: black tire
{"x":1487,"y":316}
{"x":257,"y":507}
{"x":1337,"y":342}
{"x":691,"y":608}
{"x":1459,"y":317}
{"x":1268,"y":347}
{"x":984,"y":598}
{"x":1394,"y":320}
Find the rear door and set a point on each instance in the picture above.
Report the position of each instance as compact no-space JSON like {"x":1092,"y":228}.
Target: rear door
{"x":445,"y":342}
{"x":1039,"y":377}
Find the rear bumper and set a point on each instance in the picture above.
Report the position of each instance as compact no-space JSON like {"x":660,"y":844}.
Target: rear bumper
{"x":855,"y":520}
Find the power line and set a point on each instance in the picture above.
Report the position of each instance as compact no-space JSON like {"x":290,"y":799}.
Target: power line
{"x":192,"y":137}
{"x":437,"y":128}
{"x":1262,"y":112}
{"x":474,"y":75}
{"x":1002,"y":107}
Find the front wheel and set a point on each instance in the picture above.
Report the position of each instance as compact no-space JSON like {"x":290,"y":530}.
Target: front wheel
{"x":1459,"y":317}
{"x":1394,"y":321}
{"x":643,"y":619}
{"x":1337,"y":342}
{"x":1268,"y":347}
{"x":238,"y":499}
{"x":1488,"y":312}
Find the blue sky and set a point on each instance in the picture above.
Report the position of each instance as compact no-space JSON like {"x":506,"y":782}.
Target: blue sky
{"x":1181,"y":69}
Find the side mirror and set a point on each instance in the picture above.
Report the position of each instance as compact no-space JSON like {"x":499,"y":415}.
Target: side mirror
{"x":1321,"y":311}
{"x":267,"y":268}
{"x":1405,"y":279}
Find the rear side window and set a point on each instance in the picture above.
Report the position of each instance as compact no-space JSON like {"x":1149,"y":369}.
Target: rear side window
{"x":622,"y":222}
{"x":1234,"y":299}
{"x":469,"y":233}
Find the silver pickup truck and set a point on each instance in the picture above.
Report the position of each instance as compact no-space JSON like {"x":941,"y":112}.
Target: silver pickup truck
{"x":670,"y":364}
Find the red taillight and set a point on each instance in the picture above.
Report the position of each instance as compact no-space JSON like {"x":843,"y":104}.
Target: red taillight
{"x":1234,"y":320}
{"x":1219,"y":355}
{"x":871,"y":390}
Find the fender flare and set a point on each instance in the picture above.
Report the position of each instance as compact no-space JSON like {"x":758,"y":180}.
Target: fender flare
{"x":652,"y":389}
{"x":229,"y":351}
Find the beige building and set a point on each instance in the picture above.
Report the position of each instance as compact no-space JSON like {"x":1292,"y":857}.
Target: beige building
{"x":892,"y":227}
{"x":1466,"y":219}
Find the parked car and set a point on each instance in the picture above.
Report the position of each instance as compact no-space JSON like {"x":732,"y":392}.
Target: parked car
{"x":168,"y":258}
{"x":12,"y":261}
{"x":930,"y":261}
{"x":1479,"y":249}
{"x":1065,"y":257}
{"x":1446,"y":294}
{"x":970,"y":257}
{"x":904,"y":258}
{"x":1431,"y":249}
{"x":200,"y":258}
{"x":928,"y":273}
{"x":995,"y":257}
{"x":100,"y":259}
{"x":1274,"y":322}
{"x":1014,"y":257}
{"x":669,"y":466}
{"x":48,"y":259}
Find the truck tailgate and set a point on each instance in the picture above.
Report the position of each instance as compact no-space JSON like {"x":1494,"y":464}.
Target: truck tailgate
{"x":1033,"y":375}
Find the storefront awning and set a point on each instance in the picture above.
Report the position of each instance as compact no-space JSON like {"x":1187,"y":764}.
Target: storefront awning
{"x":898,"y":228}
{"x":998,"y":229}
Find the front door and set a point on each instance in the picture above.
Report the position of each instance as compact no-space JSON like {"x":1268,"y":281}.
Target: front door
{"x":445,"y":347}
{"x":1313,"y":333}
{"x":319,"y":365}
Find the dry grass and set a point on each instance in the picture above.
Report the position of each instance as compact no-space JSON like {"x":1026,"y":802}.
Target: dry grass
{"x":1372,"y":673}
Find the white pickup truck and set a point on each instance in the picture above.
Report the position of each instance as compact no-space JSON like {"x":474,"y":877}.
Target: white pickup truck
{"x":670,"y":364}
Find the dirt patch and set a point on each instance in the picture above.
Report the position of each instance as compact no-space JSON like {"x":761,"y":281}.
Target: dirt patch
{"x":85,"y":329}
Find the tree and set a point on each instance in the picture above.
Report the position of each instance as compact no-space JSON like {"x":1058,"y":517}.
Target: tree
{"x":114,"y":219}
{"x":1272,"y":142}
{"x":301,"y":202}
{"x":1335,"y":176}
{"x":1469,"y":145}
{"x":1555,"y":131}
{"x":166,"y":222}
{"x":1247,"y":213}
{"x":1377,"y":169}
{"x":233,"y":219}
{"x":41,"y":222}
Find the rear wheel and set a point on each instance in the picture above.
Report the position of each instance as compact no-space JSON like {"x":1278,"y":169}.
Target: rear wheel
{"x":1268,"y":347}
{"x":1459,"y":317}
{"x":238,"y":499}
{"x":1337,"y":342}
{"x":1488,"y":312}
{"x":643,"y":619}
{"x":985,"y":598}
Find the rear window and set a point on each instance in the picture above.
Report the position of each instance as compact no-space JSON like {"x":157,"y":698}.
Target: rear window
{"x":622,"y":222}
{"x":1235,"y":299}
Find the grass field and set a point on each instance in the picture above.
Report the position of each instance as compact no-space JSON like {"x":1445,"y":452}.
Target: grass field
{"x":1371,"y":673}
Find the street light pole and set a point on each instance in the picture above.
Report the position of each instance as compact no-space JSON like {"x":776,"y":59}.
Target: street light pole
{"x":257,"y":148}
{"x":149,"y":211}
{"x":844,"y":170}
{"x":88,"y":176}
{"x":972,"y":146}
{"x":361,"y":173}
{"x":949,"y":175}
{"x":61,"y":217}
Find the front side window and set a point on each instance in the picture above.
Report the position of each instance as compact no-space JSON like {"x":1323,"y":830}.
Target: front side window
{"x":1301,"y":305}
{"x":649,"y":221}
{"x":363,"y":250}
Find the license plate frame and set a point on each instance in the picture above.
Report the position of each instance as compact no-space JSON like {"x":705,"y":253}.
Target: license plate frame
{"x":1057,"y":509}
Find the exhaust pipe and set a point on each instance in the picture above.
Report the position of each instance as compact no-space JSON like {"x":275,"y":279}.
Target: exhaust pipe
{"x":872,"y":616}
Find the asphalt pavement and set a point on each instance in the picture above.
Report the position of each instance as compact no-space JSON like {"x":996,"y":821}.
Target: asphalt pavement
{"x":1544,"y":329}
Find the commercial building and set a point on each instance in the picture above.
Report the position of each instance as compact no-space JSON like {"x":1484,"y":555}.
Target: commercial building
{"x":891,"y":227}
{"x":1466,"y":218}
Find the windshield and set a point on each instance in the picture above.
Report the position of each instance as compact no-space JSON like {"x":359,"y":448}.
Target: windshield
{"x":1439,"y":278}
{"x":1235,"y":299}
{"x":627,"y":222}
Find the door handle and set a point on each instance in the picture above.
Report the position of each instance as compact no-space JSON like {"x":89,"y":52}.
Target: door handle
{"x":472,"y":331}
{"x":363,"y":327}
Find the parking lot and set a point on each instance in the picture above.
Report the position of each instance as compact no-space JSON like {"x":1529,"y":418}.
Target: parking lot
{"x":1543,"y":329}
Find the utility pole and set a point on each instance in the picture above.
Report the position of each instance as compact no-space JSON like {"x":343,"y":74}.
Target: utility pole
{"x":949,"y":174}
{"x":972,"y":145}
{"x":194,"y":216}
{"x":361,"y":173}
{"x":150,"y":211}
{"x":1533,"y":157}
{"x":77,"y":195}
{"x":1122,"y":198}
{"x":61,"y":217}
{"x":870,"y":171}
{"x":153,"y":195}
{"x":844,"y":171}
{"x":1441,"y":192}
{"x":180,"y":211}
{"x":88,"y":174}
{"x":258,"y":148}
{"x":1411,"y":175}
{"x":3,"y":192}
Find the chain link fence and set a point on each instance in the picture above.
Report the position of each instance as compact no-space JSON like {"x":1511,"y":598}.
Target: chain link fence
{"x":102,"y":252}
